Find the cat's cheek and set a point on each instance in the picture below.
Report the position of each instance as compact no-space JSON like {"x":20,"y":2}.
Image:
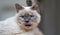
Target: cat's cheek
{"x":20,"y":19}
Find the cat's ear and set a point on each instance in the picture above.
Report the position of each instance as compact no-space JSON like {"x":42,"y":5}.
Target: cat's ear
{"x":36,"y":6}
{"x":18,"y":7}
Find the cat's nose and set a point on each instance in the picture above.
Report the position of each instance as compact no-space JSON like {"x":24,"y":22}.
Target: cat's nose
{"x":26,"y":21}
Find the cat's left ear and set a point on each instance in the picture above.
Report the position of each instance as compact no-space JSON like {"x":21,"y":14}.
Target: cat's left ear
{"x":36,"y":6}
{"x":18,"y":7}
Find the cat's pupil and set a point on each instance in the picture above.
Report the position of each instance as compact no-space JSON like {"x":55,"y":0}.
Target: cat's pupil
{"x":31,"y":16}
{"x":22,"y":16}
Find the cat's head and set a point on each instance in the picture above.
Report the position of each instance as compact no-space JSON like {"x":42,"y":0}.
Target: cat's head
{"x":28,"y":17}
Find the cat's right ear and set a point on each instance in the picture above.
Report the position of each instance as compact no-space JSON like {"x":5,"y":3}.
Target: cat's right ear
{"x":36,"y":6}
{"x":18,"y":7}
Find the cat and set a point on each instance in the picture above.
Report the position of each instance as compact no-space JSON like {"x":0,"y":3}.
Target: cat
{"x":25,"y":22}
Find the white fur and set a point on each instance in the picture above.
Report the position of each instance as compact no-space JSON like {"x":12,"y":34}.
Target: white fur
{"x":10,"y":26}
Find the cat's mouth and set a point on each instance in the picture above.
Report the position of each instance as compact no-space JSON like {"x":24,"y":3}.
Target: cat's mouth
{"x":28,"y":24}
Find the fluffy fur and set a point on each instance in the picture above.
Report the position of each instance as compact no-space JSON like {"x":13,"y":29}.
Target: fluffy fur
{"x":15,"y":25}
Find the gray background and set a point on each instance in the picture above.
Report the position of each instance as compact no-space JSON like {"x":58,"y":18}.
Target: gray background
{"x":58,"y":16}
{"x":49,"y":22}
{"x":50,"y":17}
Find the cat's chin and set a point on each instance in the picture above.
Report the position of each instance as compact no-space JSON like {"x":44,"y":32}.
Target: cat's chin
{"x":28,"y":27}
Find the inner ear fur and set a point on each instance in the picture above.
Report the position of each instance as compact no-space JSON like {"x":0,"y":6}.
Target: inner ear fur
{"x":36,"y":6}
{"x":18,"y":7}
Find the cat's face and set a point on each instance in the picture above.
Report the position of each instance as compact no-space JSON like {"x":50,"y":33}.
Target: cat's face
{"x":28,"y":18}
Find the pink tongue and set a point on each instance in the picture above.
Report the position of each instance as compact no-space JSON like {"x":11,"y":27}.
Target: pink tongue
{"x":27,"y":24}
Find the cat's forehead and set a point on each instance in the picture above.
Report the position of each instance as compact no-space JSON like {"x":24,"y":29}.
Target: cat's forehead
{"x":27,"y":10}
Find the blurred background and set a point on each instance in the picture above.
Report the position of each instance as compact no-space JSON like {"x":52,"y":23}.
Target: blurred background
{"x":50,"y":14}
